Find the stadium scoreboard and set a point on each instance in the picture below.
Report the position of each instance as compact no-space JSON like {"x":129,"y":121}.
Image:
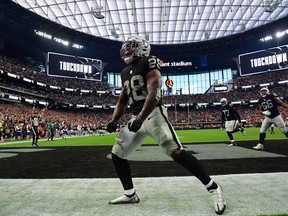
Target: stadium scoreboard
{"x":68,"y":66}
{"x":272,"y":59}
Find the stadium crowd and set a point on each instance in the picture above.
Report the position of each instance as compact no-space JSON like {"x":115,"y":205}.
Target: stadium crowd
{"x":16,"y":116}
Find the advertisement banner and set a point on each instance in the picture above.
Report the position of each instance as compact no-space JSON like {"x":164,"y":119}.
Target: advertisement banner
{"x":272,"y":59}
{"x":68,"y":66}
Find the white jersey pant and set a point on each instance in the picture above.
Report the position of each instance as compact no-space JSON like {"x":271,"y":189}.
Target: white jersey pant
{"x":278,"y":121}
{"x":155,"y":125}
{"x":231,"y":125}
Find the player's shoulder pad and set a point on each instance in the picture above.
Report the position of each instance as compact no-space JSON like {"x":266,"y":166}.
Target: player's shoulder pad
{"x":274,"y":94}
{"x":153,"y":62}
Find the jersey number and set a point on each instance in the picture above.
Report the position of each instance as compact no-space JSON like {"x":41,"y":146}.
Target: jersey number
{"x":267,"y":104}
{"x":154,"y":63}
{"x":136,"y":90}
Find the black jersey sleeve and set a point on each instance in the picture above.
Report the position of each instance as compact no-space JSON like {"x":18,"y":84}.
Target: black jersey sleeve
{"x":149,"y":63}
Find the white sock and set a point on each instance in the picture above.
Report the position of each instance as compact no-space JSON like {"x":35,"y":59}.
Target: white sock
{"x":209,"y":184}
{"x":129,"y":192}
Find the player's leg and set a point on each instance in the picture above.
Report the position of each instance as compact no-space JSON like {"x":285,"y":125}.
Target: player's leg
{"x":266,"y":123}
{"x":240,"y":127}
{"x":230,"y":128}
{"x":279,"y":122}
{"x":126,"y":143}
{"x":159,"y":127}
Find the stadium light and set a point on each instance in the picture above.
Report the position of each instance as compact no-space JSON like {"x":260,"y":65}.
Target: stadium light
{"x":283,"y":82}
{"x":41,"y":84}
{"x":28,"y":80}
{"x":264,"y":84}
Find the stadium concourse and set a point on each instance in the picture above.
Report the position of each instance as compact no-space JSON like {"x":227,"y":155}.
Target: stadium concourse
{"x":81,"y":181}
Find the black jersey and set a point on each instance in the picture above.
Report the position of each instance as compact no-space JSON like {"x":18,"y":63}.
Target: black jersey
{"x":135,"y":84}
{"x":268,"y":103}
{"x":229,"y":113}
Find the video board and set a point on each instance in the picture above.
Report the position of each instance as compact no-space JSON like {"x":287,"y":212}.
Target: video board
{"x":272,"y":59}
{"x":68,"y":66}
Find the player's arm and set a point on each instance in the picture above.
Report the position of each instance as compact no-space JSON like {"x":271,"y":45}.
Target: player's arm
{"x":237,"y":115}
{"x":281,"y":103}
{"x":121,"y":106}
{"x":260,"y":108}
{"x":154,"y":83}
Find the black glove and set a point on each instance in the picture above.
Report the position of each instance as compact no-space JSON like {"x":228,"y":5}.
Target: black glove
{"x":111,"y":127}
{"x":135,"y":125}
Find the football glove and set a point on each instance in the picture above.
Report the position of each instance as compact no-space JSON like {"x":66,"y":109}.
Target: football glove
{"x":135,"y":125}
{"x":111,"y":127}
{"x":267,"y":112}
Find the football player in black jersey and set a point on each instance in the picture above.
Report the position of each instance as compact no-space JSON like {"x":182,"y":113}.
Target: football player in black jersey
{"x":141,"y":90}
{"x":268,"y":104}
{"x":232,"y":120}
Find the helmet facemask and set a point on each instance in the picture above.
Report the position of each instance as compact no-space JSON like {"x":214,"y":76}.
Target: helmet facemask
{"x":135,"y":47}
{"x":264,"y":92}
{"x":223,"y":101}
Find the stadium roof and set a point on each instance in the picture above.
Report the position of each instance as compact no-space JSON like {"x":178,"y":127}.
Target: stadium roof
{"x":163,"y":22}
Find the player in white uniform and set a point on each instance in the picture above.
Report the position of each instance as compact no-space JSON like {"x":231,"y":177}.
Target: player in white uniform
{"x":141,"y":89}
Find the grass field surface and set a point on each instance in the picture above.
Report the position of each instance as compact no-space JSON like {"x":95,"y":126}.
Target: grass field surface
{"x":185,"y":136}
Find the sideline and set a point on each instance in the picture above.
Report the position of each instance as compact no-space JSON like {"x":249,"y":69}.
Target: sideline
{"x":246,"y":194}
{"x":41,"y":140}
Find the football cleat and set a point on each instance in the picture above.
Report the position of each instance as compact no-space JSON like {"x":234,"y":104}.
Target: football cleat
{"x":126,"y":200}
{"x":232,"y":144}
{"x":218,"y":200}
{"x":243,"y":131}
{"x":34,"y":145}
{"x":259,"y":147}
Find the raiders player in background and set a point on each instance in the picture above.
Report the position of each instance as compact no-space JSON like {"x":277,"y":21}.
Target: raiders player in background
{"x":35,"y":121}
{"x":231,"y":119}
{"x":268,"y":105}
{"x":141,"y":89}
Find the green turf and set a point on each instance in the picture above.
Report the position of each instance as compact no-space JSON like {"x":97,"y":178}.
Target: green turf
{"x":185,"y":136}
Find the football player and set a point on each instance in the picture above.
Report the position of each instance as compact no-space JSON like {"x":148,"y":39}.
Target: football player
{"x":268,"y":105}
{"x":231,"y":119}
{"x":141,"y":90}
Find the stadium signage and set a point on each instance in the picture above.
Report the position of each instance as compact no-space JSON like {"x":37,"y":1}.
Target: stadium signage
{"x":176,"y":64}
{"x":272,"y":59}
{"x":78,"y":68}
{"x":269,"y":60}
{"x":68,"y":66}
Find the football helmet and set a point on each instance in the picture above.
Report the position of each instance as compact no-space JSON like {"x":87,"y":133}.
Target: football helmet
{"x":134,"y":47}
{"x":223,"y":101}
{"x":264,"y":91}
